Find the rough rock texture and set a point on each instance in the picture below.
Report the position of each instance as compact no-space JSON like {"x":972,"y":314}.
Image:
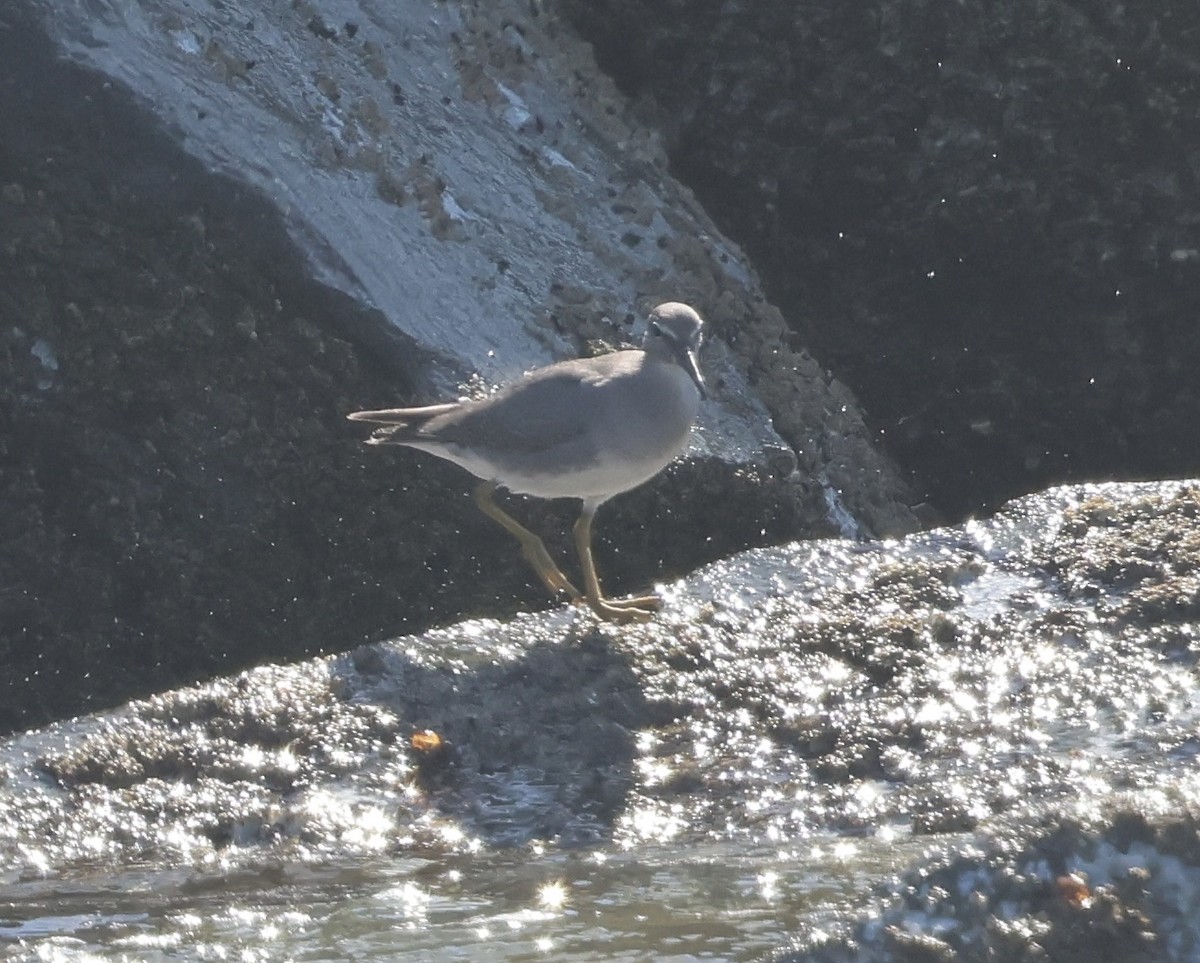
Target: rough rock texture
{"x":223,"y":228}
{"x":1123,"y":893}
{"x":984,"y":217}
{"x":1005,"y":711}
{"x":964,"y":680}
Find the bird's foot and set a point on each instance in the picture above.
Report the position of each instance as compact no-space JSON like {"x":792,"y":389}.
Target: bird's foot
{"x":639,"y":609}
{"x":646,"y":603}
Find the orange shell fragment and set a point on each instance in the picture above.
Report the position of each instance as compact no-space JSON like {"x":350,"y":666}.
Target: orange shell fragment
{"x":426,"y":740}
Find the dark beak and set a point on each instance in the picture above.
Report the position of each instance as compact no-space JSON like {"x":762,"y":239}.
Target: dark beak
{"x":686,"y":356}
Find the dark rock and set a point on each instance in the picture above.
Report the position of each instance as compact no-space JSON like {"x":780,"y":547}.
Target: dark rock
{"x":199,"y":277}
{"x":980,"y":216}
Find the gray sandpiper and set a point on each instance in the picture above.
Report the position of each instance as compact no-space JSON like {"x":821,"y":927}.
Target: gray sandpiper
{"x":588,"y":429}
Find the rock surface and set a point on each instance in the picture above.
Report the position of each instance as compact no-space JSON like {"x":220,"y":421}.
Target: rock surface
{"x":1120,"y":893}
{"x":965,"y":685}
{"x":982,"y":216}
{"x":224,"y":227}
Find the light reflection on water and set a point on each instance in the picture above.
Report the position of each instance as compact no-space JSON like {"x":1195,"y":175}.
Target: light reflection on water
{"x":715,"y":901}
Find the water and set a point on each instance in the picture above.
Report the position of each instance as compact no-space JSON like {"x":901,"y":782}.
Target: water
{"x":715,"y":901}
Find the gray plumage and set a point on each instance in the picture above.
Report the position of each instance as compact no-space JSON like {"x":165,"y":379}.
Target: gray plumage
{"x":588,"y":429}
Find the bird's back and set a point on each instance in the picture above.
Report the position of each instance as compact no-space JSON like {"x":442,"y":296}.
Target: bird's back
{"x":588,"y":428}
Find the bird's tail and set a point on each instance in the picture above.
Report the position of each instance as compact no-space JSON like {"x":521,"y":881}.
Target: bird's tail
{"x":396,"y":426}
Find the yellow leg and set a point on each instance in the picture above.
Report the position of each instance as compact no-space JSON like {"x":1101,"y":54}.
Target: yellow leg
{"x":532,"y":547}
{"x":617,"y":610}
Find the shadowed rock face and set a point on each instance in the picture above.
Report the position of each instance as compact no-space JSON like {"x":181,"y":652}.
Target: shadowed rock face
{"x":176,"y":468}
{"x":981,"y":216}
{"x":208,"y":255}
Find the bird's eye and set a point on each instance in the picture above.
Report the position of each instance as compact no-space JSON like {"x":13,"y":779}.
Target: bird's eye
{"x":656,"y":328}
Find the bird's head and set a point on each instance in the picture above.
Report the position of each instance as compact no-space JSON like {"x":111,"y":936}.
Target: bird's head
{"x":674,"y":334}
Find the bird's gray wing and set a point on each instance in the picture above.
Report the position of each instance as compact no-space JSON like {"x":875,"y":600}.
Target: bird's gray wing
{"x":547,"y":409}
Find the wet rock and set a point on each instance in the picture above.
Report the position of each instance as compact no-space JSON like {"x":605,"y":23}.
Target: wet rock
{"x":210,"y":252}
{"x":752,"y":707}
{"x":1070,"y":894}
